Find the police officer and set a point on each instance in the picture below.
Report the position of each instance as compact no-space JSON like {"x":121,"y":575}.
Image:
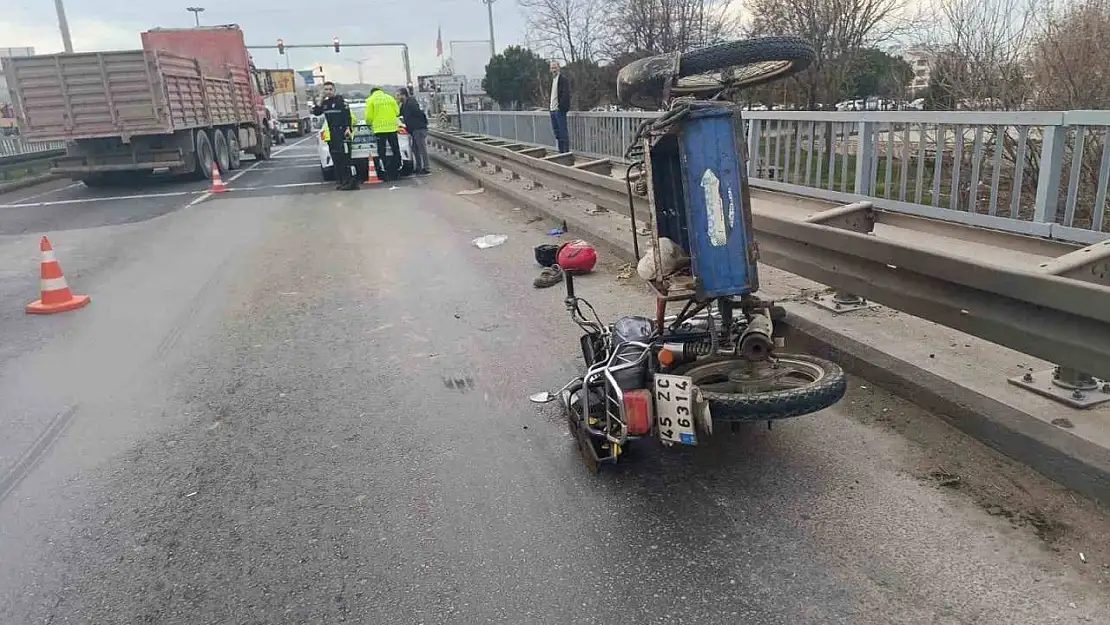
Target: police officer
{"x":382,"y":115}
{"x":337,"y":115}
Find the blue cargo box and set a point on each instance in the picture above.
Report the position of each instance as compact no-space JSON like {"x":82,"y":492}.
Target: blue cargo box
{"x":702,"y":169}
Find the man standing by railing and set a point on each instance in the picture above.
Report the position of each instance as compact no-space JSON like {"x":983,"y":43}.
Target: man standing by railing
{"x":416,"y":121}
{"x":560,"y":105}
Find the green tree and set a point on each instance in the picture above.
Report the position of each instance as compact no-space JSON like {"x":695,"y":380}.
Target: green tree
{"x":872,"y":72}
{"x":515,"y":78}
{"x":588,"y":85}
{"x":947,"y":73}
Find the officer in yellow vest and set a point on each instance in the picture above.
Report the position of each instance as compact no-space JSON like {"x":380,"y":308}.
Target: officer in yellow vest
{"x":382,"y":113}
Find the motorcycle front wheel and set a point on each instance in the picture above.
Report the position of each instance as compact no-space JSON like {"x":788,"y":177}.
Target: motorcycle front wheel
{"x":788,"y":385}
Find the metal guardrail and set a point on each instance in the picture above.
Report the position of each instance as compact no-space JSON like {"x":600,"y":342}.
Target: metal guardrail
{"x":14,"y":146}
{"x":1040,"y":173}
{"x":1058,"y":311}
{"x":21,"y":161}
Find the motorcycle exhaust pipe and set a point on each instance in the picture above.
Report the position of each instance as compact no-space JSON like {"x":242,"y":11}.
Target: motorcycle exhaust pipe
{"x":756,"y":341}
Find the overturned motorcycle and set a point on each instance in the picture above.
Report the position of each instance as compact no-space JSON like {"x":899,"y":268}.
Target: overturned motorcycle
{"x":718,"y":359}
{"x":714,"y":363}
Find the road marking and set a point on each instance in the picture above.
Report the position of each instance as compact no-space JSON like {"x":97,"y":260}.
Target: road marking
{"x":45,"y":193}
{"x":208,"y":194}
{"x":203,"y":194}
{"x":294,"y":184}
{"x":86,"y":200}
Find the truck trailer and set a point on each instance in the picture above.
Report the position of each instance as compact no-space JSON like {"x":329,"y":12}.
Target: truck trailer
{"x":286,"y":93}
{"x":185,"y":101}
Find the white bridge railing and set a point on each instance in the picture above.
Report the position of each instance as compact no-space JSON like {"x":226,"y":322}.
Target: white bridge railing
{"x":1040,"y":173}
{"x":14,"y":146}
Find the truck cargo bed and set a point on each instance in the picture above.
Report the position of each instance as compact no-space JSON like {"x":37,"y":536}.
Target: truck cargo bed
{"x":123,"y":94}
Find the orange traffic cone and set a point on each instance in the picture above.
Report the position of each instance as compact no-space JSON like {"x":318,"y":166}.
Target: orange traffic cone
{"x":372,"y":174}
{"x":56,"y":296}
{"x":217,"y":183}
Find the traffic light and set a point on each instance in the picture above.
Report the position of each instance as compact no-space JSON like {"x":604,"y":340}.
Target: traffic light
{"x":281,"y":46}
{"x":335,"y":42}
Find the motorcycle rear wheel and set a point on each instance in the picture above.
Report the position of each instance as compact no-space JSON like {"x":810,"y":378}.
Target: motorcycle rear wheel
{"x":708,"y":71}
{"x":789,"y":385}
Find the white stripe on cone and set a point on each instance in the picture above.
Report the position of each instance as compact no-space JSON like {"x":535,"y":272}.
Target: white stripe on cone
{"x":54,"y":284}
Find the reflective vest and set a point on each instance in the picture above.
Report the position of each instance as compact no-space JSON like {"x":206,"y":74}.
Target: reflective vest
{"x":327,"y":131}
{"x":382,"y":112}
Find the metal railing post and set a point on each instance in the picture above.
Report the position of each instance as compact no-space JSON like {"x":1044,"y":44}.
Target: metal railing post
{"x":865,"y":145}
{"x":754,"y":137}
{"x":1048,"y":181}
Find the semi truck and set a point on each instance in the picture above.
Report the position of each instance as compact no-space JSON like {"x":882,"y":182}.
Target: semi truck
{"x":286,"y":93}
{"x":185,"y":101}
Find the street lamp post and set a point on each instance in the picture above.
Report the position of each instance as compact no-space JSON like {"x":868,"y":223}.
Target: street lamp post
{"x":489,"y":10}
{"x":63,"y":25}
{"x":359,"y":63}
{"x":196,"y":11}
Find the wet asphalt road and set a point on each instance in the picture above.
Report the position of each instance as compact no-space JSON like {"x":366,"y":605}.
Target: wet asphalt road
{"x":292,"y":405}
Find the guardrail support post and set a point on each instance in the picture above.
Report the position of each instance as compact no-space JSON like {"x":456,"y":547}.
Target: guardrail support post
{"x":1066,"y":385}
{"x":858,"y":217}
{"x":601,"y":167}
{"x":566,"y":158}
{"x":864,"y":152}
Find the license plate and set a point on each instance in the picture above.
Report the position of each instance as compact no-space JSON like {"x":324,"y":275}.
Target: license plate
{"x":674,"y":409}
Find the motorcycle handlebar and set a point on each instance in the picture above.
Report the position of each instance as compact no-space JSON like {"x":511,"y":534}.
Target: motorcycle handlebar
{"x":569,"y":279}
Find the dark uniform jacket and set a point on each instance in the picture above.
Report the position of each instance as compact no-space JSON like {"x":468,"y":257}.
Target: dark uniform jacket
{"x":338,"y":115}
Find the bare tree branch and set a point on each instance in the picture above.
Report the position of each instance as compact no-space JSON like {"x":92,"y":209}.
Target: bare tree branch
{"x":980,"y":49}
{"x":658,"y":26}
{"x":838,"y":29}
{"x":564,"y":29}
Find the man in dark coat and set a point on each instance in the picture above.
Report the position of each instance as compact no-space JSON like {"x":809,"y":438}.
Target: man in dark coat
{"x":417,"y":124}
{"x":560,"y":104}
{"x":337,"y":114}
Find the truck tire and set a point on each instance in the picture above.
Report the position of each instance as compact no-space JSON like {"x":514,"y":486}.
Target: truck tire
{"x":204,"y":155}
{"x":96,"y":181}
{"x":234,"y":151}
{"x":262,"y":152}
{"x":221,"y":150}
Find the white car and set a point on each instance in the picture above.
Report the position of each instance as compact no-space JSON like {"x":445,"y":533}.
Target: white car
{"x":364,"y":146}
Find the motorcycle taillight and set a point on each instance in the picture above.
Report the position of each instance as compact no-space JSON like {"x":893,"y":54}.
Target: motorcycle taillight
{"x":637,"y":411}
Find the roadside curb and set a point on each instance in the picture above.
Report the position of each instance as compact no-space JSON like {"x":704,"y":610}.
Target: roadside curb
{"x":23,"y":183}
{"x":1065,"y":458}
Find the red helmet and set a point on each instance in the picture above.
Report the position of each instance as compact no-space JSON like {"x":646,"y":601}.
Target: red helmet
{"x":577,"y":257}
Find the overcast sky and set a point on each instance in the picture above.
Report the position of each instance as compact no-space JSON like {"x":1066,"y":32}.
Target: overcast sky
{"x":116,"y":24}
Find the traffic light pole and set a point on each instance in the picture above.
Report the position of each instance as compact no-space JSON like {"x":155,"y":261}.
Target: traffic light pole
{"x":404,"y":51}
